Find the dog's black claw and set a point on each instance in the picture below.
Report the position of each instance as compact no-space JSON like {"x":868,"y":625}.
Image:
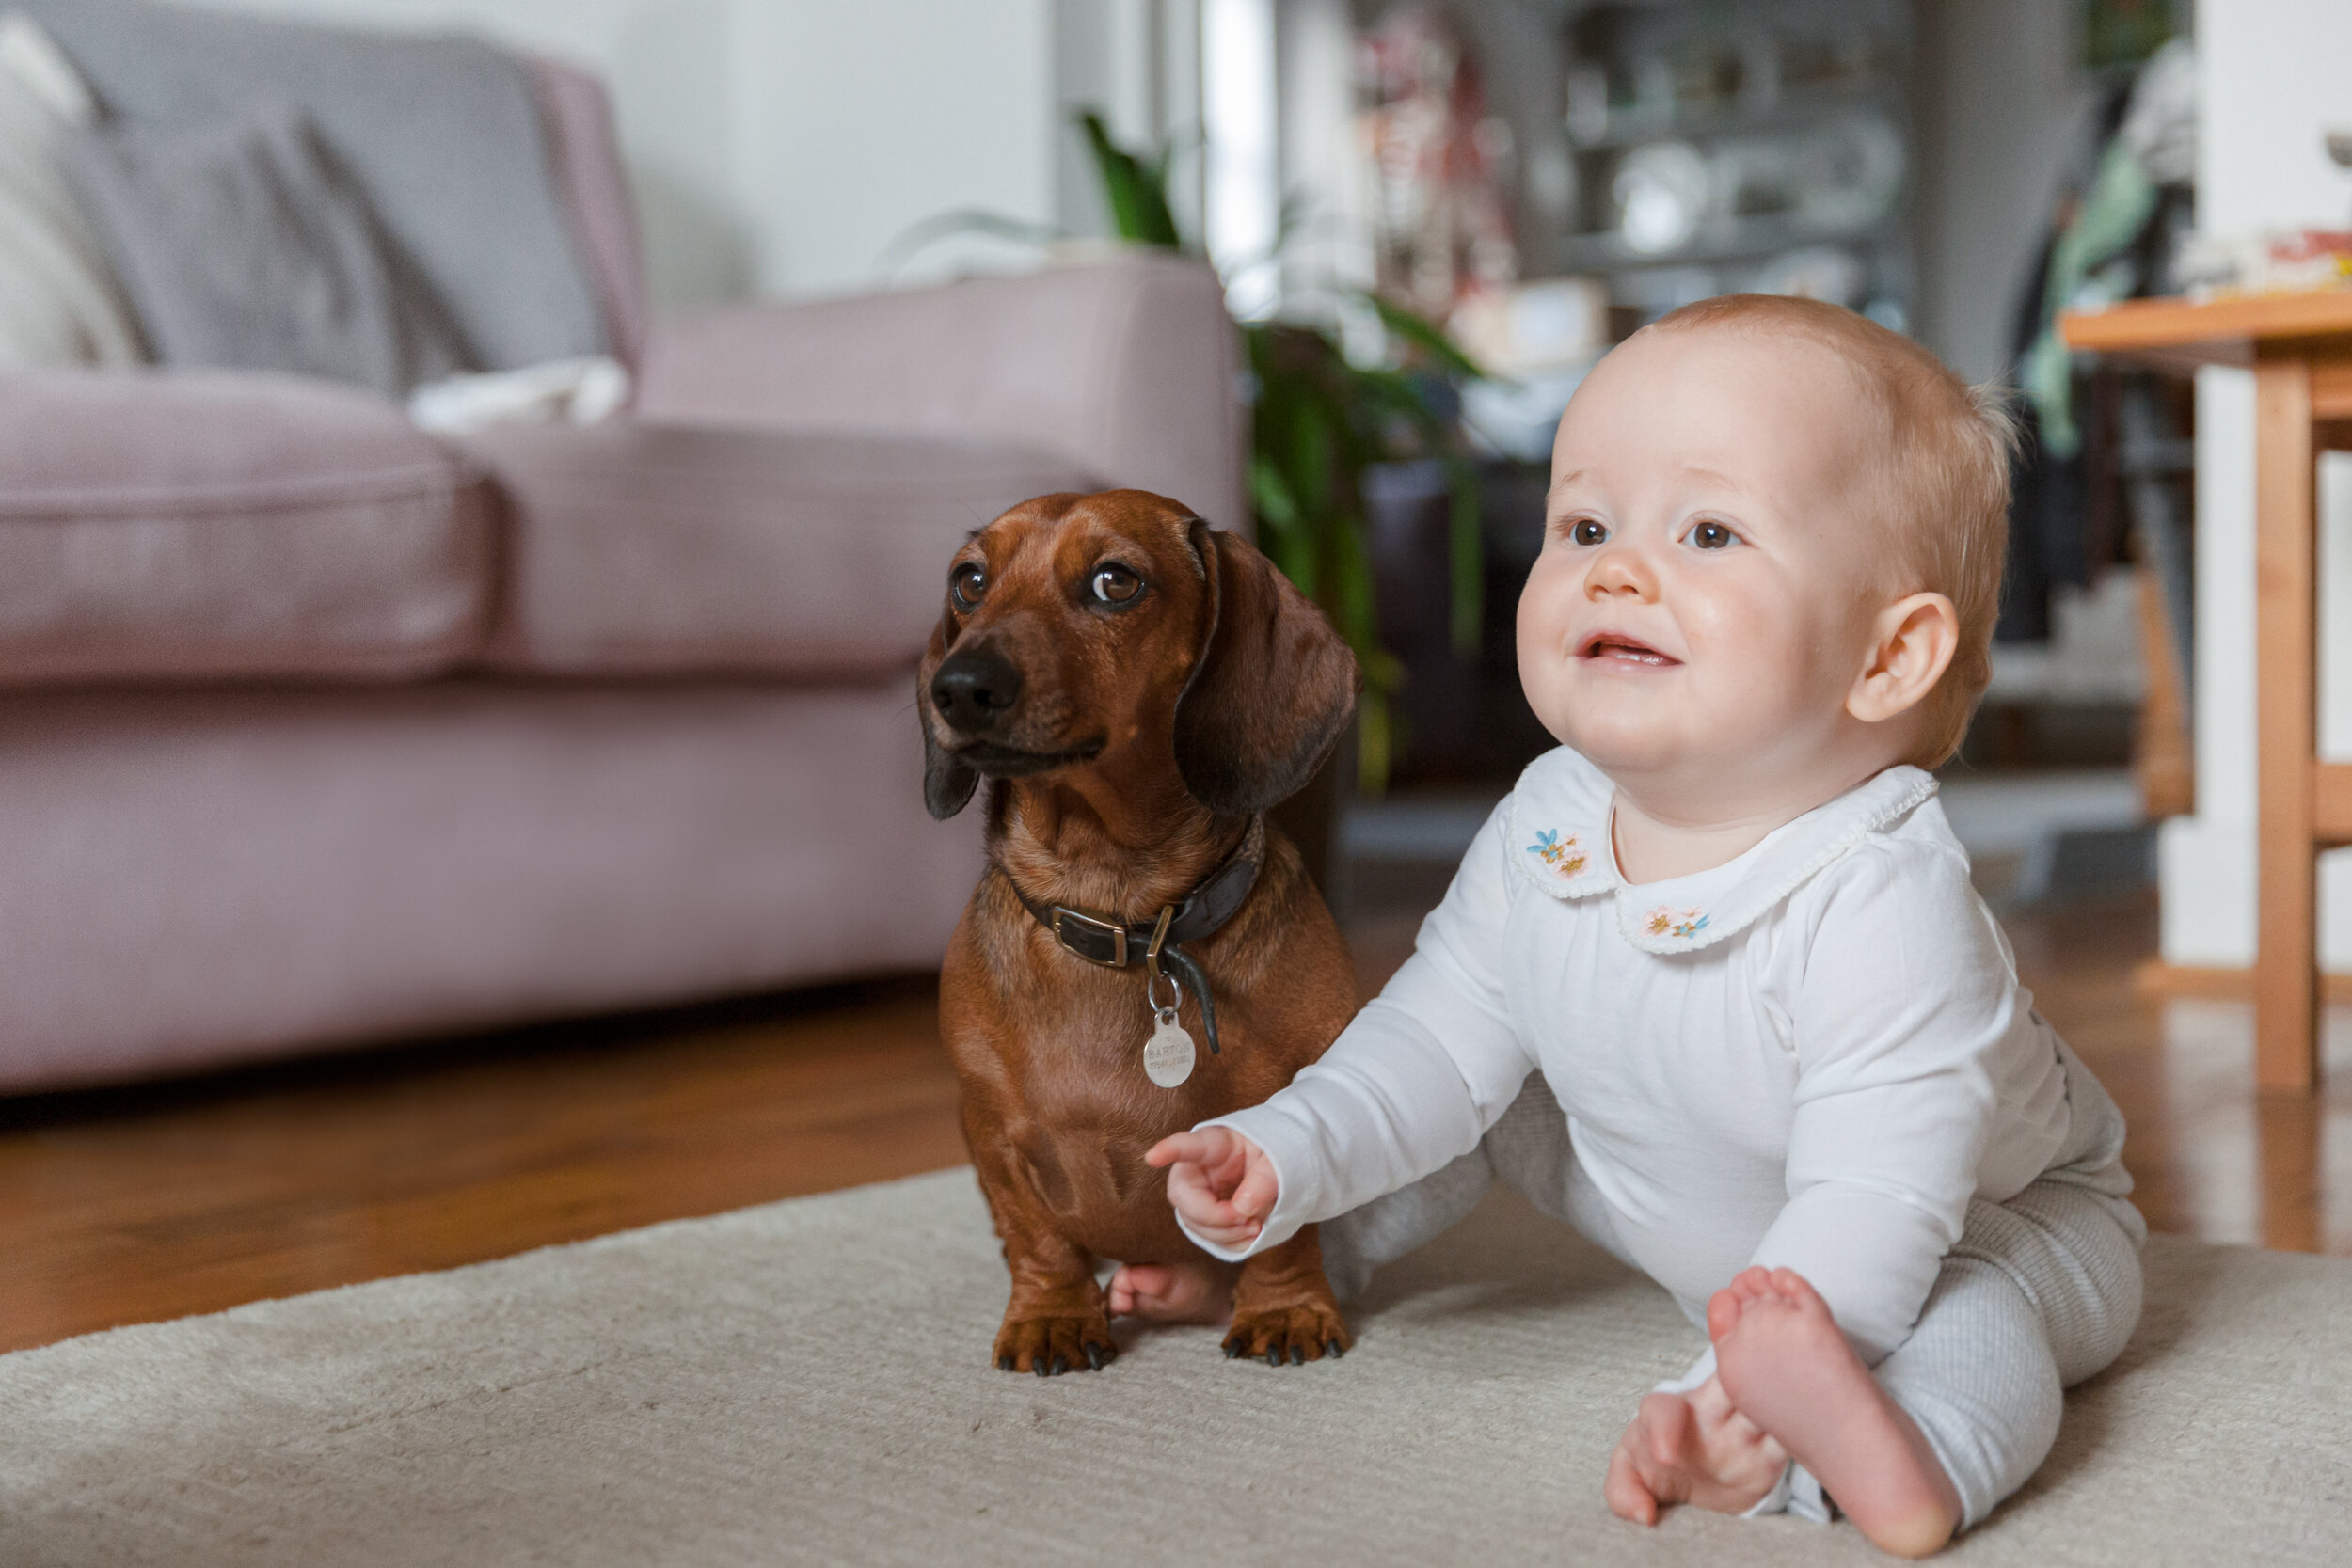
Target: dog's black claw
{"x":1060,"y":1365}
{"x":1332,"y":1348}
{"x":1298,"y":1356}
{"x":1232,"y":1349}
{"x":1004,"y":1362}
{"x":1274,"y":1357}
{"x":1094,"y":1357}
{"x":1037,"y":1364}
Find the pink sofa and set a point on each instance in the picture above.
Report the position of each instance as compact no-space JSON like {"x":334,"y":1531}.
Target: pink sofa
{"x":319,"y":731}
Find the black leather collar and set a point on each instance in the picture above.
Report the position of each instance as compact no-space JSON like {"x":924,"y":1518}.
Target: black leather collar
{"x":1202,"y":913}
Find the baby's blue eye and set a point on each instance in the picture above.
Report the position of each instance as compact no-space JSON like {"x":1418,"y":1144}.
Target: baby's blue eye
{"x":1587,"y":531}
{"x":1710,"y":536}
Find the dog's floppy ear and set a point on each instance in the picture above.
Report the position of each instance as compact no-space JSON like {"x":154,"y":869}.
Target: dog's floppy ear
{"x":1272,"y":690}
{"x":948,"y":783}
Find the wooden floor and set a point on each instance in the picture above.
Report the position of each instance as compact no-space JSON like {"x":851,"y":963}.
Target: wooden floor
{"x":129,"y":1206}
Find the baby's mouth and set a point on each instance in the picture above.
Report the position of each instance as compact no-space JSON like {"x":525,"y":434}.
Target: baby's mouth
{"x":1615,"y":647}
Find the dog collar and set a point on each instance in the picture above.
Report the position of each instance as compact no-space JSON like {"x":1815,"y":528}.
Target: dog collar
{"x":1202,"y":913}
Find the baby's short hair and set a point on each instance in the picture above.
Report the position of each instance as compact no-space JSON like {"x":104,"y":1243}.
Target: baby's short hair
{"x":1941,"y":488}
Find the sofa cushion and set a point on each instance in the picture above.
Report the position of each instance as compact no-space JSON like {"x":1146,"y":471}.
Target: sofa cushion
{"x":442,"y":131}
{"x":241,"y":242}
{"x":639,"y":547}
{"x":189,"y":525}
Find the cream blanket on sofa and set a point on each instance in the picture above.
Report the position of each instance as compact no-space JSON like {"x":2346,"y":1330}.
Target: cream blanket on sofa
{"x":58,"y":301}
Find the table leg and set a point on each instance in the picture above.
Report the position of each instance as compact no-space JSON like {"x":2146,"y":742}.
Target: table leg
{"x":2287,"y":1133}
{"x":2286,"y":968}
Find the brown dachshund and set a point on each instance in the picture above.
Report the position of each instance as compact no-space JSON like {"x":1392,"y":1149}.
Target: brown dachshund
{"x":1139,"y":687}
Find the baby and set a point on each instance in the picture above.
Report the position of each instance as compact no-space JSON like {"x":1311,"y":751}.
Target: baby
{"x":1713,"y":986}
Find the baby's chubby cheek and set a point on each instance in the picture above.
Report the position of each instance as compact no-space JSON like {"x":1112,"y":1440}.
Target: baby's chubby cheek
{"x":1612,"y":720}
{"x":1546,"y":650}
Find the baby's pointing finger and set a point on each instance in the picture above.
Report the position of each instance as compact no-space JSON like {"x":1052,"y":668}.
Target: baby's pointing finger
{"x":1190,"y":1148}
{"x":1210,"y":1147}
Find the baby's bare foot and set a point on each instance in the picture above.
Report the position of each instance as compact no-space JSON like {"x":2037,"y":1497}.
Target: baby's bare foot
{"x":1694,"y":1448}
{"x":1192,"y":1292}
{"x":1789,"y":1371}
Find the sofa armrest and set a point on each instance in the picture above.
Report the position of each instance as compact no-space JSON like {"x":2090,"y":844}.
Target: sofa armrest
{"x":1130,"y":369}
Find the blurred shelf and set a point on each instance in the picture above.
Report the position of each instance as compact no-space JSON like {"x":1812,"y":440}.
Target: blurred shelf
{"x":1725,"y":240}
{"x":1794,"y":110}
{"x":1771,"y":96}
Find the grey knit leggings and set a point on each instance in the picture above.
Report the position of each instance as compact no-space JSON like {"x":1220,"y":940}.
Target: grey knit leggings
{"x":2040,"y":1292}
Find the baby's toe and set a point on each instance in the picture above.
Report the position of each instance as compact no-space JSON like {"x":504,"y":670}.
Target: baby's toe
{"x":1793,"y":1289}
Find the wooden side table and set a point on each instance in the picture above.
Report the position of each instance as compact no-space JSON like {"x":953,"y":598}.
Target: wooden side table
{"x":2299,"y":347}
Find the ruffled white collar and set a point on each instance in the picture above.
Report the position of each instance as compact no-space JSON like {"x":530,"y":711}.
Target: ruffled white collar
{"x":1561,"y":841}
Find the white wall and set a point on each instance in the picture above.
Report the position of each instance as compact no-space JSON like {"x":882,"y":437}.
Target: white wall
{"x":777,"y":147}
{"x":1138,"y":61}
{"x":861,"y":119}
{"x":2272,"y":78}
{"x":1999,"y":109}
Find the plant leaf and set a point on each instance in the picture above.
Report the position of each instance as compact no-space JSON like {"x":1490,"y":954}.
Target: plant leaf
{"x":1426,"y":336}
{"x":917,"y":236}
{"x":1468,"y":555}
{"x":1136,"y":191}
{"x":1282,"y":532}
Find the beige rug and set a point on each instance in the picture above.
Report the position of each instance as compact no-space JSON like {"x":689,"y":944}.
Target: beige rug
{"x":808,"y":1383}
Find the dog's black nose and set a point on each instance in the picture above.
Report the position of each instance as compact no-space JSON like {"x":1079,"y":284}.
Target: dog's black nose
{"x":973,"y":689}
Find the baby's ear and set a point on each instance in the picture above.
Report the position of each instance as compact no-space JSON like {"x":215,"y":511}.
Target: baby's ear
{"x":1912,"y":644}
{"x":1272,"y":690}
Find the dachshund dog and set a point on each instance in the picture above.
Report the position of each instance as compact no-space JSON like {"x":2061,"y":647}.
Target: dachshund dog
{"x":1139,"y":688}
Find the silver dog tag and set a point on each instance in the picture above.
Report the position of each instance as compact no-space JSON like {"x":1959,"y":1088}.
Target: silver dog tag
{"x":1168,"y":1055}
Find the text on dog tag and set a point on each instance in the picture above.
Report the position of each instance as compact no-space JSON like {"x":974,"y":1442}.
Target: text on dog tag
{"x":1168,"y":1055}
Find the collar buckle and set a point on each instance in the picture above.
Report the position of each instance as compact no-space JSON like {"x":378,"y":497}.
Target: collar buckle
{"x":1096,"y":941}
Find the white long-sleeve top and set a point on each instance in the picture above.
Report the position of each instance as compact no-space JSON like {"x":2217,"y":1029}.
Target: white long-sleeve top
{"x":1812,"y":1057}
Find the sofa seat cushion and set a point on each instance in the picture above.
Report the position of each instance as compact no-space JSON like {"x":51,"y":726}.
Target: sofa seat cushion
{"x":204,"y":524}
{"x":644,"y":548}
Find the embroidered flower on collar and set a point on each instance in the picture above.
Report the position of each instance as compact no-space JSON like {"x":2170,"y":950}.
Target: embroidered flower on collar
{"x":1561,"y":854}
{"x":1667,"y":922}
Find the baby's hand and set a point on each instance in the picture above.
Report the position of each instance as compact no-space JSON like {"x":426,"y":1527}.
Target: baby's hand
{"x":1221,"y":1183}
{"x":1691,"y":1448}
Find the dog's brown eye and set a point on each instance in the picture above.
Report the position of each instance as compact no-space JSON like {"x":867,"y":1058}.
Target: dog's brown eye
{"x":968,"y":585}
{"x":1114,"y":584}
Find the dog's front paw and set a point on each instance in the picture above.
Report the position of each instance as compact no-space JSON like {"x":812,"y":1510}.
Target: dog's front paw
{"x":1050,"y":1346}
{"x":1289,"y":1335}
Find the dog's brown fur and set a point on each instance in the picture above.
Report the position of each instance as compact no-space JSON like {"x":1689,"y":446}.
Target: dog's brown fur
{"x":1209,"y":697}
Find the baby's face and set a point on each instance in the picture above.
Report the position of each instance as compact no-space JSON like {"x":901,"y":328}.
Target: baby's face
{"x":1705,"y":598}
